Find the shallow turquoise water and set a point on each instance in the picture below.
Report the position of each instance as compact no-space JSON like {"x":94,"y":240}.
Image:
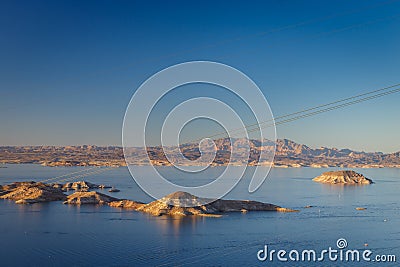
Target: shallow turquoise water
{"x":53,"y":234}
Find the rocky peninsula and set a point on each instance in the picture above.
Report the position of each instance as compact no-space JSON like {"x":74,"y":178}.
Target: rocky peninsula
{"x":343,"y":177}
{"x":175,"y":204}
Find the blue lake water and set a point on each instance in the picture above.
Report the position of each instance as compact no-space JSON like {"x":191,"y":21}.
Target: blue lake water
{"x":53,"y":234}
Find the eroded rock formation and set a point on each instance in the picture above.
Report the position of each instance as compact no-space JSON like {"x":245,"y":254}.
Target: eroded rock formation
{"x":32,"y":192}
{"x":81,"y":185}
{"x":343,"y":177}
{"x":126,"y":204}
{"x":183,"y":203}
{"x":93,"y":197}
{"x":178,"y":203}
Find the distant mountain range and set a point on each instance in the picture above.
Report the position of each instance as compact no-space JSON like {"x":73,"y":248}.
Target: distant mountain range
{"x":287,"y":154}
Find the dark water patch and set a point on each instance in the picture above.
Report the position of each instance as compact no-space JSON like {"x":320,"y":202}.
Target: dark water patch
{"x":122,"y":219}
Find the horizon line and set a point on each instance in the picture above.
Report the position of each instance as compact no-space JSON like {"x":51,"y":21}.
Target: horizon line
{"x":121,"y":146}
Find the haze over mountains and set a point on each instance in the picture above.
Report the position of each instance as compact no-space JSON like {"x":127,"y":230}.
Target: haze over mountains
{"x":287,"y":154}
{"x":291,"y":154}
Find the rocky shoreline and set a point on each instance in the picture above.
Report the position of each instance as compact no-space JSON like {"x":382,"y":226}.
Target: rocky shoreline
{"x":172,"y":204}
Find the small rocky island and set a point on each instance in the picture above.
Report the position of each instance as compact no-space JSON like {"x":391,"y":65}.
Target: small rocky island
{"x":31,"y":192}
{"x":343,"y":177}
{"x":177,"y":204}
{"x":173,"y":204}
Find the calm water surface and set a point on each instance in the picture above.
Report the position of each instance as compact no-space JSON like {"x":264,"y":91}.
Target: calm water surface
{"x":53,"y":234}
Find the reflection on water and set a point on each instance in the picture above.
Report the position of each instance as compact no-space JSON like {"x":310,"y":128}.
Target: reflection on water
{"x":177,"y":224}
{"x":54,"y":234}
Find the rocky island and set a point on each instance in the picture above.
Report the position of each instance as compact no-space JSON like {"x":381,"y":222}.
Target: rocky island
{"x":180,"y":203}
{"x":343,"y":177}
{"x":31,"y":192}
{"x":173,"y":204}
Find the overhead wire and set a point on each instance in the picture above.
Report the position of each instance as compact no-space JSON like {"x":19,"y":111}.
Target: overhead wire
{"x":331,"y":108}
{"x":277,"y":119}
{"x":67,"y":174}
{"x":297,"y":112}
{"x":86,"y":174}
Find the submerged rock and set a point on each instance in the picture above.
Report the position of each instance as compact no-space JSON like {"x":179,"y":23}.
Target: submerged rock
{"x":79,"y":198}
{"x":343,"y":177}
{"x":31,"y":192}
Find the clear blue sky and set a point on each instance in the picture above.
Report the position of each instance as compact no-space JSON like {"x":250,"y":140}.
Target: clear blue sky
{"x":69,"y":68}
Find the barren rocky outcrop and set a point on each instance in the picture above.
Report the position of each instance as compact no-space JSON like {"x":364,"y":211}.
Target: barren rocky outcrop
{"x":126,"y":204}
{"x":178,"y":203}
{"x":4,"y":189}
{"x":93,"y":197}
{"x":343,"y":177}
{"x":82,"y":185}
{"x":31,"y":192}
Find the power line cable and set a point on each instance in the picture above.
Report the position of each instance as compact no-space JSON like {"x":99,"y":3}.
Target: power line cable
{"x":299,"y":112}
{"x":328,"y":109}
{"x":85,"y":175}
{"x":68,"y":174}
